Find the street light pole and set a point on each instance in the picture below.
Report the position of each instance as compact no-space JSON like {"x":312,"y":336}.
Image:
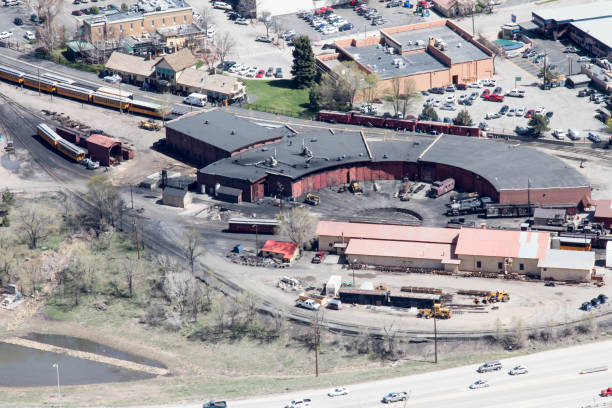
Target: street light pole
{"x":256,"y":240}
{"x":435,"y":340}
{"x":59,"y":393}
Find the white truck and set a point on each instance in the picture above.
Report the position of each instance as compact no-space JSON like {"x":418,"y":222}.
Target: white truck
{"x":308,"y":304}
{"x":299,"y":403}
{"x":195,"y":99}
{"x":516,"y":93}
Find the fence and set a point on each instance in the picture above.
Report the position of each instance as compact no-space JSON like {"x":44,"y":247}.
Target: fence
{"x":284,"y":112}
{"x":13,"y":44}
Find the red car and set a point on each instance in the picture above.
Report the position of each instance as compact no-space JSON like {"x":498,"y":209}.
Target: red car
{"x":260,"y":73}
{"x":324,"y":10}
{"x":529,"y":113}
{"x":495,"y":98}
{"x":77,"y":13}
{"x":607,"y":392}
{"x":485,"y":93}
{"x":319,"y":257}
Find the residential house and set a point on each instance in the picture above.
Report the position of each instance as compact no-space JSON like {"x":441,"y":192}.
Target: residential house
{"x":131,"y":69}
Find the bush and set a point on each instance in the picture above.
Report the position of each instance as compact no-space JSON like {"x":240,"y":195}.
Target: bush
{"x":124,"y":7}
{"x":6,"y":221}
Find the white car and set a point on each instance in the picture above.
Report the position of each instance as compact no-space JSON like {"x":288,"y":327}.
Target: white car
{"x":338,"y":391}
{"x":235,"y":68}
{"x":475,"y":85}
{"x":516,"y":93}
{"x":479,"y":384}
{"x":540,"y":110}
{"x":450,"y":99}
{"x":573,"y":134}
{"x":436,"y":103}
{"x":29,"y":35}
{"x":519,"y":369}
{"x":222,"y":5}
{"x":5,"y":34}
{"x":559,"y":134}
{"x":298,"y":403}
{"x":584,"y":59}
{"x":511,"y":112}
{"x":245,"y":70}
{"x":520,"y":112}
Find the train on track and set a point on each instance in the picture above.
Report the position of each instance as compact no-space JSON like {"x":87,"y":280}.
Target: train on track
{"x":66,"y":87}
{"x":58,"y":143}
{"x":412,"y":125}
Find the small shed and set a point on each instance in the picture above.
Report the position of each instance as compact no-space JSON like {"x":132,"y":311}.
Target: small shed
{"x":285,"y":251}
{"x":333,"y":285}
{"x":603,"y":212}
{"x":229,"y":194}
{"x":566,"y":265}
{"x":549,"y":216}
{"x":176,"y":197}
{"x":103,"y":149}
{"x":76,"y":50}
{"x":577,"y":81}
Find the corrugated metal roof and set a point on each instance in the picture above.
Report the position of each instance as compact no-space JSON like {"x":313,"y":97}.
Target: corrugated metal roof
{"x":563,"y":259}
{"x":603,"y":209}
{"x":549,"y":213}
{"x":387,"y":232}
{"x":103,"y":141}
{"x":501,"y":243}
{"x":399,"y":249}
{"x":287,"y":249}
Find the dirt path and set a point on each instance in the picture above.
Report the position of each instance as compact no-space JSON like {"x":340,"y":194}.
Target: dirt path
{"x":87,"y":356}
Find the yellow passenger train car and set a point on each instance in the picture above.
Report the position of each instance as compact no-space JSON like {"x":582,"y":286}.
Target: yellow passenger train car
{"x":74,"y":152}
{"x":48,"y":135}
{"x":146,"y":108}
{"x":11,"y":74}
{"x":36,"y":82}
{"x":72,"y":91}
{"x":116,"y":102}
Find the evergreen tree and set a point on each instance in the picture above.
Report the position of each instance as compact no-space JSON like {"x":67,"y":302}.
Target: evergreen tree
{"x":304,"y":69}
{"x":429,"y":113}
{"x":463,"y":118}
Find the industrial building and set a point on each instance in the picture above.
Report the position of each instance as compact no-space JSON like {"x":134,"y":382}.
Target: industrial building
{"x":103,"y":149}
{"x":430,"y":54}
{"x":468,"y":249}
{"x":176,"y":197}
{"x":263,"y":162}
{"x":282,"y":250}
{"x":603,"y":212}
{"x":587,"y":24}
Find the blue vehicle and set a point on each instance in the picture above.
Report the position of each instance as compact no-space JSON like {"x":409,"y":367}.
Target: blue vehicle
{"x":407,"y":4}
{"x":347,"y":26}
{"x":586,"y":306}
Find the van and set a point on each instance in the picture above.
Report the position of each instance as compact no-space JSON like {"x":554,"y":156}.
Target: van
{"x":490,"y":366}
{"x":195,"y":99}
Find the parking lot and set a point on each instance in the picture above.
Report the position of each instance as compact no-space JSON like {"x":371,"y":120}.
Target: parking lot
{"x":7,"y":22}
{"x":393,"y":16}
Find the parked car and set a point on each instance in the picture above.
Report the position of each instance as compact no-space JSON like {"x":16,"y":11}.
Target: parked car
{"x":540,"y":110}
{"x":449,"y":88}
{"x":6,"y":34}
{"x":483,"y":126}
{"x":346,"y":27}
{"x":520,"y":111}
{"x":448,"y":106}
{"x":77,"y":13}
{"x":558,"y":134}
{"x":338,"y":391}
{"x":29,"y":36}
{"x":461,"y":87}
{"x":475,"y":85}
{"x":584,"y":59}
{"x":241,"y":21}
{"x":263,"y":38}
{"x":529,"y":113}
{"x":479,"y":384}
{"x":395,"y":397}
{"x":222,"y":5}
{"x":549,"y":114}
{"x":594,"y":137}
{"x":279,"y":73}
{"x":519,"y":369}
{"x":439,"y":91}
{"x":516,"y":93}
{"x":18,"y":21}
{"x":495,"y":98}
{"x":318,"y":257}
{"x":595,"y":302}
{"x":511,"y":112}
{"x":521,"y":130}
{"x":603,"y":298}
{"x":606,"y":393}
{"x":485,"y":93}
{"x":299,"y":403}
{"x":215,"y":404}
{"x":497,"y":90}
{"x":586,"y":306}
{"x":573,"y":134}
{"x":504,"y":109}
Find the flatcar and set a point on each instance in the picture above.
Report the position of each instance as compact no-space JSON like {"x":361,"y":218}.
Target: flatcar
{"x":36,"y":82}
{"x":72,"y":91}
{"x":116,"y":92}
{"x":70,"y":150}
{"x":11,"y":74}
{"x":146,"y":108}
{"x":116,"y":102}
{"x":48,"y":134}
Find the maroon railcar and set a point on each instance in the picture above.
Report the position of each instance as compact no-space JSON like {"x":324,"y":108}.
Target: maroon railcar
{"x":367,"y":120}
{"x":253,"y":225}
{"x":472,"y":131}
{"x":429,"y":127}
{"x":334,"y":117}
{"x":406,"y":124}
{"x":71,"y":135}
{"x":127,"y":153}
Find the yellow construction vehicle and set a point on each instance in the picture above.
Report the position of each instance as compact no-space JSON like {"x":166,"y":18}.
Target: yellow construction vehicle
{"x":355,"y":188}
{"x":493,"y":297}
{"x":312,"y":199}
{"x":438,"y":312}
{"x":149,"y":125}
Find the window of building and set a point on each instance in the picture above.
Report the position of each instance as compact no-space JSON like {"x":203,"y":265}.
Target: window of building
{"x":184,"y":19}
{"x":121,"y":27}
{"x":100,"y":30}
{"x":152,"y":23}
{"x":131,"y":26}
{"x":522,"y":267}
{"x":142,"y":24}
{"x":163,"y":21}
{"x":174,"y":20}
{"x":478,"y":264}
{"x":499,"y":265}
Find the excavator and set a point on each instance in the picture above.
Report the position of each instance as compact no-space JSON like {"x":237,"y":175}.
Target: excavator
{"x":437,"y":312}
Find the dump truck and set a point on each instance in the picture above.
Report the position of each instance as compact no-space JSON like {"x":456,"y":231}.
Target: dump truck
{"x":437,"y":312}
{"x":149,"y":125}
{"x":312,"y":199}
{"x":355,"y":188}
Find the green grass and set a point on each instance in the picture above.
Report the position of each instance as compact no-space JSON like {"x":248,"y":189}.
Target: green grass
{"x":199,"y":64}
{"x":280,"y":97}
{"x":60,"y":57}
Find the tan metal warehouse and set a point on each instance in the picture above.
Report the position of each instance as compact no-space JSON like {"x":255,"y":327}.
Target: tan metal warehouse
{"x":567,"y":265}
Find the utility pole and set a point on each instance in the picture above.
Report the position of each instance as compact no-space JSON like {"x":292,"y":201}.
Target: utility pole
{"x":473,"y":29}
{"x":435,"y":340}
{"x":256,"y":240}
{"x":38,"y":75}
{"x":137,"y":240}
{"x":529,"y":197}
{"x":316,"y":342}
{"x":132,"y":196}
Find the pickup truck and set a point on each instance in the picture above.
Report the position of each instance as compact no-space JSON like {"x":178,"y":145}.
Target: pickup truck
{"x":215,"y":404}
{"x":516,"y":93}
{"x":310,"y":305}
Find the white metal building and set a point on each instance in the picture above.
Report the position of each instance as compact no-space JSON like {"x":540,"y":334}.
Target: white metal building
{"x":565,"y":265}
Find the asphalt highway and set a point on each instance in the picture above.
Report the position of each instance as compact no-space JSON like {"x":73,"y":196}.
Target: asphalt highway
{"x":553,"y":380}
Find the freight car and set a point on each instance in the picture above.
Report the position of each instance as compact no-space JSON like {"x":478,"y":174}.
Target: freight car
{"x":419,"y":126}
{"x":253,"y":225}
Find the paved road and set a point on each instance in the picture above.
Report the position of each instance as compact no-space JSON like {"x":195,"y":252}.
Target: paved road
{"x":553,"y":381}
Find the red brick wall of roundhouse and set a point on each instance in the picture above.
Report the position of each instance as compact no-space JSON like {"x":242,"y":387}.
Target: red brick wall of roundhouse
{"x":464,"y":179}
{"x":250,"y":191}
{"x":546,"y":196}
{"x":193,"y":149}
{"x":343,"y":175}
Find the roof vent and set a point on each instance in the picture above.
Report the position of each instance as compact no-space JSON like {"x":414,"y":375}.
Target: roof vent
{"x":385,"y":156}
{"x":233,"y":132}
{"x":343,"y":156}
{"x":360,"y":154}
{"x":264,"y":149}
{"x":458,"y":45}
{"x":339,"y":158}
{"x":307,"y":166}
{"x":314,"y":139}
{"x":206,"y":122}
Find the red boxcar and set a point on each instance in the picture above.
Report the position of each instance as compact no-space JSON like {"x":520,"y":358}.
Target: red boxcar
{"x":334,"y":117}
{"x":71,"y":135}
{"x":391,"y":123}
{"x":464,"y":130}
{"x":367,"y":120}
{"x":252,"y":225}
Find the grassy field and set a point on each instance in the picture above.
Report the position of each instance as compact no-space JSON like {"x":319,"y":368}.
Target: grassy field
{"x":278,"y":97}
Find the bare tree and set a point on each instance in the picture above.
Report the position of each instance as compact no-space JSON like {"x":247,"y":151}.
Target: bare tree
{"x":353,"y":76}
{"x":192,"y":245}
{"x":37,"y":223}
{"x":7,"y":254}
{"x":225,"y":44}
{"x":177,"y":287}
{"x":129,"y":267}
{"x":32,"y":270}
{"x":369,"y":88}
{"x":49,"y":32}
{"x":220,"y":310}
{"x":298,"y":224}
{"x":107,"y":202}
{"x":266,"y":19}
{"x":206,"y":16}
